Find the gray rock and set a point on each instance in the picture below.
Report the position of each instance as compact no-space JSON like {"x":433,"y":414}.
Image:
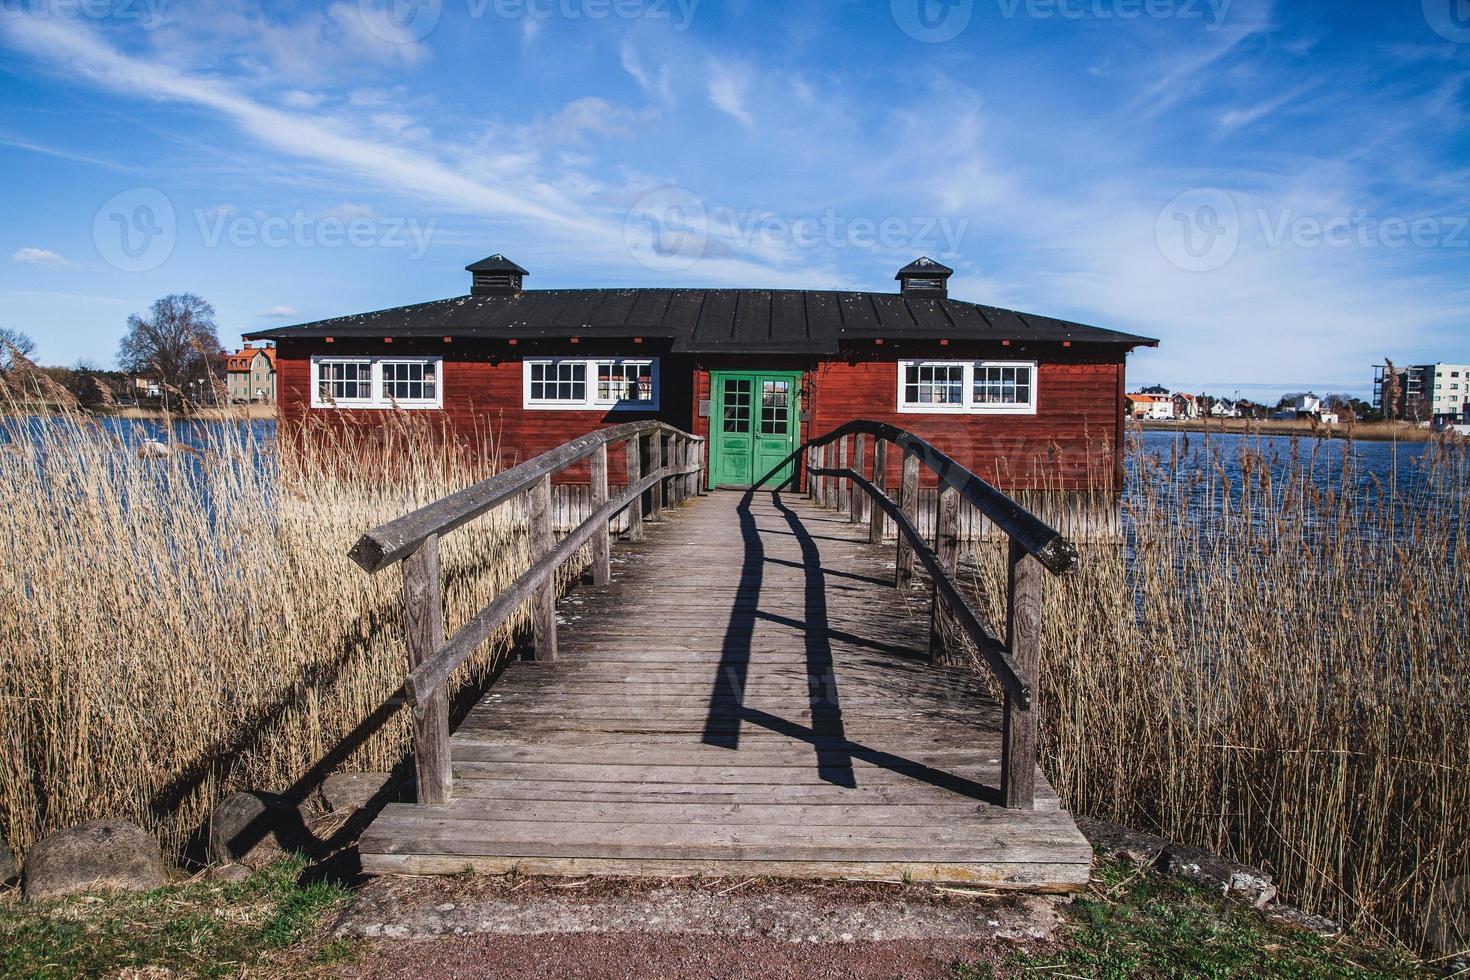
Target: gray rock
{"x":352,"y":790}
{"x":255,"y":829}
{"x":229,"y":873}
{"x":1121,"y":843}
{"x":100,"y":855}
{"x":1236,"y":880}
{"x":7,"y":863}
{"x":1295,"y":918}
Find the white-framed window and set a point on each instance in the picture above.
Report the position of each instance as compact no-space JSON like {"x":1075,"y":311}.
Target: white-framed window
{"x":377,"y":382}
{"x":591,"y":383}
{"x":969,"y":387}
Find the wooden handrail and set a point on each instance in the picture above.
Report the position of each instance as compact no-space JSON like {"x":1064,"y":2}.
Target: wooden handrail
{"x":679,"y":464}
{"x":394,"y":541}
{"x":1033,"y":546}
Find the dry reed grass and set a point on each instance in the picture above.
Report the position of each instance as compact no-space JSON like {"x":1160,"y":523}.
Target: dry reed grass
{"x":174,"y":629}
{"x":1277,"y":673}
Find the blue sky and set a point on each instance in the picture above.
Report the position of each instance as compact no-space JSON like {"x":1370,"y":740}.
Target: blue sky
{"x":1280,"y":192}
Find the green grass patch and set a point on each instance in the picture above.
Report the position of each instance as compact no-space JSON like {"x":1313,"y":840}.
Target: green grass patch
{"x":203,"y":929}
{"x":1135,"y":924}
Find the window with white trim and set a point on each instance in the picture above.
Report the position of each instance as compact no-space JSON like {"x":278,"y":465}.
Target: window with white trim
{"x":590,"y":384}
{"x":977,"y":387}
{"x":377,"y":382}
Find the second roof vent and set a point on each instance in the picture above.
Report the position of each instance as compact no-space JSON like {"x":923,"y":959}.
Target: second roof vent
{"x":495,"y":276}
{"x":924,"y":279}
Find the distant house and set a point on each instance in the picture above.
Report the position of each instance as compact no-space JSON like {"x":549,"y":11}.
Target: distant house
{"x":1306,"y":406}
{"x":1151,"y":406}
{"x":1186,"y":406}
{"x":1154,"y":390}
{"x":1225,"y":408}
{"x":251,"y":374}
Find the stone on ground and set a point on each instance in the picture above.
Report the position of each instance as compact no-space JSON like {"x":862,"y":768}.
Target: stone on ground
{"x":352,"y":790}
{"x":97,"y":856}
{"x":255,"y":829}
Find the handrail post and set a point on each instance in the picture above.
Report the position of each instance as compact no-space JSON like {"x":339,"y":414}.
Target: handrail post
{"x":903,"y":565}
{"x":602,"y":540}
{"x":1023,"y":639}
{"x":656,"y":465}
{"x":947,"y":550}
{"x":423,"y":628}
{"x":811,"y":464}
{"x":830,"y":486}
{"x":844,"y":485}
{"x":821,"y":480}
{"x":634,"y":452}
{"x":543,"y":539}
{"x":880,"y":480}
{"x":858,"y":499}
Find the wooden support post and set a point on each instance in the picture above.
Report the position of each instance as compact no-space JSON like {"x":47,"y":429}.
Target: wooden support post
{"x":676,"y":483}
{"x":702,"y":477}
{"x":656,"y":465}
{"x":601,"y":540}
{"x":947,"y":550}
{"x":1023,"y":640}
{"x":687,"y":482}
{"x":880,"y":480}
{"x":859,"y":498}
{"x":908,"y":501}
{"x":423,"y":628}
{"x":811,"y":464}
{"x":821,"y":480}
{"x":844,"y":485}
{"x":543,"y":603}
{"x":634,"y":451}
{"x":829,"y":499}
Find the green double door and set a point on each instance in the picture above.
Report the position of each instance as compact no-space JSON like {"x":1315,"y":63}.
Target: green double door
{"x":755,"y":424}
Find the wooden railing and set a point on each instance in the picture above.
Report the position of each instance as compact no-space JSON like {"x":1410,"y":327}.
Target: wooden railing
{"x":834,"y":473}
{"x":666,"y":461}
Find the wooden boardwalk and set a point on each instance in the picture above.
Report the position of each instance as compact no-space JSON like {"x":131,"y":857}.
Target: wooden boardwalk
{"x":749,"y":696}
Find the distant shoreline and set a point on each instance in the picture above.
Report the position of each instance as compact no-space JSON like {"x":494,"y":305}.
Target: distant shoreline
{"x":1364,"y":431}
{"x":256,"y":412}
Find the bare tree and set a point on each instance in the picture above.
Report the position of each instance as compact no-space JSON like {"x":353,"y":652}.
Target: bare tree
{"x":12,"y":339}
{"x":173,"y":342}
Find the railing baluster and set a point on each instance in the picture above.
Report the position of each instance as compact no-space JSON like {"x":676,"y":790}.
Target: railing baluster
{"x":1023,"y":640}
{"x":543,"y":539}
{"x":832,"y":482}
{"x":656,"y":465}
{"x":880,"y":480}
{"x":602,"y":540}
{"x":821,"y":480}
{"x":844,"y":487}
{"x":947,"y":550}
{"x":908,"y":500}
{"x":859,"y":459}
{"x":423,"y":629}
{"x":633,"y":450}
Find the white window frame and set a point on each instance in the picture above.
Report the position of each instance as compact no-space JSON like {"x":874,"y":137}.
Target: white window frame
{"x":377,"y":399}
{"x":968,"y":406}
{"x":590,"y":402}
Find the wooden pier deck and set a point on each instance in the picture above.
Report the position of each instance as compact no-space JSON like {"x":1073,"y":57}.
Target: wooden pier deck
{"x":749,"y":695}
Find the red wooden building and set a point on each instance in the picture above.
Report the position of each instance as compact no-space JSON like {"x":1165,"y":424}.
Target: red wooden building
{"x":1028,"y":402}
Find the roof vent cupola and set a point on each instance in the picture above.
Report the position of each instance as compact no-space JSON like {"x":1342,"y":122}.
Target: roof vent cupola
{"x":495,"y":276}
{"x":924,"y":279}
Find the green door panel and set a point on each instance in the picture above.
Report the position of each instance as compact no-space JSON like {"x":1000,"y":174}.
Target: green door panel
{"x":754,"y":426}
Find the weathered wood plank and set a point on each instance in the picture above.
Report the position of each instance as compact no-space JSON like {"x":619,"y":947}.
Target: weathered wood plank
{"x":423,"y":626}
{"x":1023,"y":638}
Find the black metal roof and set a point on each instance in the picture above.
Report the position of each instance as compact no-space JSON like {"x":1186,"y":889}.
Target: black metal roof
{"x":708,"y":321}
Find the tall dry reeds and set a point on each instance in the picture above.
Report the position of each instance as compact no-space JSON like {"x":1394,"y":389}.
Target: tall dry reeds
{"x":1276,"y":670}
{"x":175,"y":628}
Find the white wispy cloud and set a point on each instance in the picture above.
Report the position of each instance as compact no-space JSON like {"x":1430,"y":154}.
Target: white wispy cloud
{"x":728,"y":89}
{"x":42,"y":257}
{"x":278,"y":313}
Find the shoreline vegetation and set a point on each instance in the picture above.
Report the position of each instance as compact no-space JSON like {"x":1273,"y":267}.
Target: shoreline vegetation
{"x":1273,"y":672}
{"x":1304,"y":428}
